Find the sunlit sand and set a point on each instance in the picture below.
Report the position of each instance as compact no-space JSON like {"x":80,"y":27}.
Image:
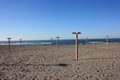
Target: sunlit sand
{"x":95,"y":62}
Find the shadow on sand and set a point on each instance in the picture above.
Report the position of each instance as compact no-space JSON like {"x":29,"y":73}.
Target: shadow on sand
{"x":18,"y":64}
{"x":60,"y":64}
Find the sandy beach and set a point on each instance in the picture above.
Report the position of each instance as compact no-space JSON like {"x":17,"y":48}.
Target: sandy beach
{"x":96,"y":62}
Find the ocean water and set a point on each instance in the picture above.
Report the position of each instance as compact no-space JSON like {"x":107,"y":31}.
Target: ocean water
{"x":61,"y":42}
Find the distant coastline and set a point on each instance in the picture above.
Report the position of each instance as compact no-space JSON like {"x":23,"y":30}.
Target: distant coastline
{"x":61,"y":41}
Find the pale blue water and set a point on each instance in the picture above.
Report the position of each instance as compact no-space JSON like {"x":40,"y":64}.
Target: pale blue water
{"x":61,"y":42}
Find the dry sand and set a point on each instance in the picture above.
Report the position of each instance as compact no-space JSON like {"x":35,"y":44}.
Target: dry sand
{"x":96,"y":62}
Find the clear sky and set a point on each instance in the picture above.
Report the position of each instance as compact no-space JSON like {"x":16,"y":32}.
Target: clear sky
{"x":45,"y":19}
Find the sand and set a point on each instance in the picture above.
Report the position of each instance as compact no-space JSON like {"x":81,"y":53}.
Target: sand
{"x":96,"y":62}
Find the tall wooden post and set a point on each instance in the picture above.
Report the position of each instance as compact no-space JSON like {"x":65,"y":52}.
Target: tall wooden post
{"x":9,"y":42}
{"x":76,"y":46}
{"x":57,"y":42}
{"x":20,"y":41}
{"x":107,"y":40}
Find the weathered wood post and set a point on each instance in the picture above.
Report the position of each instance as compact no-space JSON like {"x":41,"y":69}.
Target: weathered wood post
{"x":9,"y":42}
{"x":57,"y":42}
{"x":76,"y":46}
{"x":20,"y":41}
{"x":107,"y":40}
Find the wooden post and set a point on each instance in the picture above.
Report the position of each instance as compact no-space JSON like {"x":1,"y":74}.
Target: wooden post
{"x":20,"y":41}
{"x":76,"y":46}
{"x":9,"y":42}
{"x":107,"y":41}
{"x":57,"y":42}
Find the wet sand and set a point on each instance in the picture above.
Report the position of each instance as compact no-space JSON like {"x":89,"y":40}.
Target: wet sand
{"x":96,"y":62}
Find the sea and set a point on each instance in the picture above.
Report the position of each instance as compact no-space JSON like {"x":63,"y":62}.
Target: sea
{"x":61,"y":41}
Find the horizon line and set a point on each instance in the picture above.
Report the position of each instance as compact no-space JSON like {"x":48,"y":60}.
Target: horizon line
{"x":59,"y":39}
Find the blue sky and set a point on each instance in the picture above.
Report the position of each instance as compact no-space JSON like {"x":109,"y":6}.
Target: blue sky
{"x":45,"y":19}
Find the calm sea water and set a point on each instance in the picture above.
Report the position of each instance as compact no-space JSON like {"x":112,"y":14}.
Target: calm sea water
{"x":61,"y":42}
